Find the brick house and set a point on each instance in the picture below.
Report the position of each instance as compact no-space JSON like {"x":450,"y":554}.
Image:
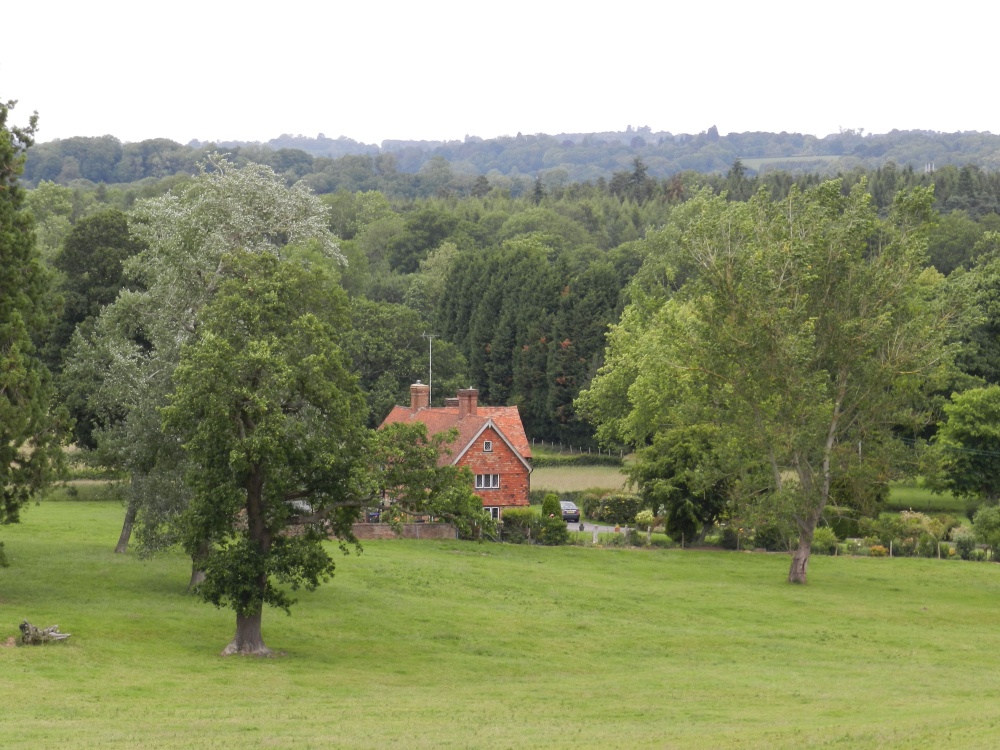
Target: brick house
{"x":491,"y":443}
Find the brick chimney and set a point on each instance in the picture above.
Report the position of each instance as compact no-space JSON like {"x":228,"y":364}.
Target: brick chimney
{"x":420,"y":396}
{"x":468,"y":401}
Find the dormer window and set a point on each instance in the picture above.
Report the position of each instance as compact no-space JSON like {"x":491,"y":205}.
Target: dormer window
{"x":487,"y":446}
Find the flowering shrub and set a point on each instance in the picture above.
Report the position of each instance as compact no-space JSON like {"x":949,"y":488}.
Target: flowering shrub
{"x":645,"y":519}
{"x":965,"y":541}
{"x":877,"y":550}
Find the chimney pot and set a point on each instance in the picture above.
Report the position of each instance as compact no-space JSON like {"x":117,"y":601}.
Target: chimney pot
{"x":420,"y":396}
{"x":468,"y":402}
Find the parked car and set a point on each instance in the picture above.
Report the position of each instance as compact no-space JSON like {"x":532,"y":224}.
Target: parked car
{"x":569,"y":511}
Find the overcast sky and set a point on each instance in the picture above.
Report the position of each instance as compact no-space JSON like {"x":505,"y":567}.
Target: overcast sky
{"x":441,"y":69}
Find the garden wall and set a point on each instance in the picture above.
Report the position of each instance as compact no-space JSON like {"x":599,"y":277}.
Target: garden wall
{"x":409,"y":531}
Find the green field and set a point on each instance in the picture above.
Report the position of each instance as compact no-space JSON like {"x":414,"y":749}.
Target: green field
{"x":572,"y":478}
{"x":427,"y":645}
{"x":911,"y":497}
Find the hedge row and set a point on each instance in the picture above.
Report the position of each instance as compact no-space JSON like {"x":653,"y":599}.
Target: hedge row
{"x":575,"y":459}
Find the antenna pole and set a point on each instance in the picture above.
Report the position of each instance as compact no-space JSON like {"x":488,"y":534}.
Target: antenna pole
{"x":430,"y":364}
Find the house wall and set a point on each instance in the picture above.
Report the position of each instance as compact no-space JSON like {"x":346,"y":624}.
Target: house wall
{"x":514,"y":483}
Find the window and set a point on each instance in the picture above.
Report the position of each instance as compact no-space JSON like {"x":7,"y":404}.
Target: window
{"x":487,"y":446}
{"x":494,"y":513}
{"x":487,"y":481}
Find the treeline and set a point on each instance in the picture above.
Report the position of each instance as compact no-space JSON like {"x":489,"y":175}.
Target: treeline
{"x":516,"y":289}
{"x":411,"y":169}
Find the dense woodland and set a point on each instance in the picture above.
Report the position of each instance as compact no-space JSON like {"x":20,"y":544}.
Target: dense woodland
{"x":511,"y":258}
{"x":517,"y":276}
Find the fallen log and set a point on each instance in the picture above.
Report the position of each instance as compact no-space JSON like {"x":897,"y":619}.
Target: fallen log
{"x":32,"y":636}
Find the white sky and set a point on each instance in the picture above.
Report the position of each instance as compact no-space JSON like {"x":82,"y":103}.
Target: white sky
{"x":441,"y":69}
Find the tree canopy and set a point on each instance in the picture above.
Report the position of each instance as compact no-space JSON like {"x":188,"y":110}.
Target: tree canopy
{"x":967,"y":445}
{"x":806,"y":332}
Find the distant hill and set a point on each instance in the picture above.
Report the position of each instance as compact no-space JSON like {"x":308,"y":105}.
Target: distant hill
{"x":328,"y":164}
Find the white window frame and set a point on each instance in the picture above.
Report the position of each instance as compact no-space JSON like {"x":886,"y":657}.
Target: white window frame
{"x":494,"y":512}
{"x":487,"y":481}
{"x":487,"y":446}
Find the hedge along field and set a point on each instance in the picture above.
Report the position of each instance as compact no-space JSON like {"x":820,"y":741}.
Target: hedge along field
{"x":453,"y":644}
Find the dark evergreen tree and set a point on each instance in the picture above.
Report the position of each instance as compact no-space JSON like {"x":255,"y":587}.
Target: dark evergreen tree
{"x":30,"y":431}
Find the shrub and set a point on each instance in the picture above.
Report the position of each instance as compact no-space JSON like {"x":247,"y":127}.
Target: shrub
{"x":771,"y":537}
{"x":619,"y":508}
{"x":877,"y":550}
{"x":552,"y":531}
{"x":729,"y":538}
{"x":824,"y":541}
{"x":978,"y":555}
{"x":590,"y":504}
{"x":856,"y":547}
{"x":645,"y":519}
{"x":986,"y":524}
{"x":905,"y":530}
{"x":927,"y":546}
{"x":948,"y":522}
{"x":965,"y":541}
{"x":550,"y":506}
{"x":520,"y":525}
{"x":906,"y":547}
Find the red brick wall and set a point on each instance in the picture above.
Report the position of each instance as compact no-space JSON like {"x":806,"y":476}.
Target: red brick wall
{"x":501,"y":460}
{"x":408,"y":531}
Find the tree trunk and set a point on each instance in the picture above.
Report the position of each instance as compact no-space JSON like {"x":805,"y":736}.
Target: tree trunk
{"x":800,"y":557}
{"x":800,"y":561}
{"x":198,"y":565}
{"x":126,"y":535}
{"x":248,"y":640}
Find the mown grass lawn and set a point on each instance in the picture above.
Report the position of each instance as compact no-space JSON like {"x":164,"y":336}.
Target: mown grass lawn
{"x":453,"y":644}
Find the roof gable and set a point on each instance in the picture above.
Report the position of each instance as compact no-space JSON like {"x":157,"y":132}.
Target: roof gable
{"x":475,"y":438}
{"x":505,"y":420}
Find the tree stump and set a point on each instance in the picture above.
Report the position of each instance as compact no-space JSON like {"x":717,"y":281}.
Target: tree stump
{"x":32,"y":636}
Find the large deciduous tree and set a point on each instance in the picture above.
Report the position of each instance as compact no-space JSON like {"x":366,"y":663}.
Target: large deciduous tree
{"x":803,"y":337}
{"x":29,"y":430}
{"x":272,"y":423}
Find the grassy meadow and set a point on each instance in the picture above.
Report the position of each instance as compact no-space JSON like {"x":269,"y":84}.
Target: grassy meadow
{"x":914,"y":497}
{"x":454,"y":644}
{"x":573,"y":478}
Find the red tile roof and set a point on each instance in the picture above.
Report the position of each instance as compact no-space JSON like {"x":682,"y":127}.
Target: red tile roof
{"x":506,"y":419}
